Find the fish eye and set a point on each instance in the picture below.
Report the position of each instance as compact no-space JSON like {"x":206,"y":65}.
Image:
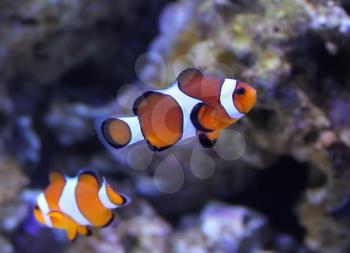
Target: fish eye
{"x":36,"y":207}
{"x":240,"y":91}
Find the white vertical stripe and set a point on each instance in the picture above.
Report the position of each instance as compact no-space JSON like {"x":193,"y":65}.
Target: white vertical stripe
{"x":226,"y":98}
{"x":133,"y":123}
{"x":135,"y":128}
{"x":68,"y":203}
{"x":102,"y":194}
{"x":186,"y":104}
{"x":44,"y":208}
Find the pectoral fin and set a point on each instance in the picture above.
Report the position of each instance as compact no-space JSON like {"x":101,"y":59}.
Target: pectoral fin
{"x":61,"y":221}
{"x":58,"y":219}
{"x":197,"y":118}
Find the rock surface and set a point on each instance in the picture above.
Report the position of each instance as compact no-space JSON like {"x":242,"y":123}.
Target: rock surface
{"x":286,"y":188}
{"x":295,"y":53}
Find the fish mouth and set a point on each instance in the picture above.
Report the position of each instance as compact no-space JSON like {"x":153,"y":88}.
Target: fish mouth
{"x":249,"y":101}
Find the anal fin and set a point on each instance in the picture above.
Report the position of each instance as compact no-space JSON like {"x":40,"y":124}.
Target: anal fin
{"x":83,"y":230}
{"x":72,"y":230}
{"x":72,"y":234}
{"x":156,"y":149}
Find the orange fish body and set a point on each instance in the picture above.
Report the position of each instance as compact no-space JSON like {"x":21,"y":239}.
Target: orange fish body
{"x":194,"y":105}
{"x":74,"y":204}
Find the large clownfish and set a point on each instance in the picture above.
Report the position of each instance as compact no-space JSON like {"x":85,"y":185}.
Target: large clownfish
{"x":194,"y":105}
{"x":74,"y":204}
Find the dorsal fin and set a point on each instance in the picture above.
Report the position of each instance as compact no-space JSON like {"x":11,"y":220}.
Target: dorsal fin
{"x":189,"y":75}
{"x":139,"y":100}
{"x":56,"y":176}
{"x":89,"y":177}
{"x":205,"y":88}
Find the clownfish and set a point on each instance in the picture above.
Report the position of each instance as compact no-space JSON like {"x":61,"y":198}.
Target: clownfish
{"x":193,"y":105}
{"x":75,"y":204}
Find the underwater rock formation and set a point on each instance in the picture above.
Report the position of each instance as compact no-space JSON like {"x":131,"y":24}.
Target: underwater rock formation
{"x":295,"y":53}
{"x":5,"y":246}
{"x":140,"y":230}
{"x":220,"y":228}
{"x":12,"y":210}
{"x":62,"y":62}
{"x":227,"y":229}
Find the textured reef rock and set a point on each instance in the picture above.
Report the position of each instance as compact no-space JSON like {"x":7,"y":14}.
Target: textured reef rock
{"x":62,"y":62}
{"x":220,"y":228}
{"x":224,"y":229}
{"x":295,"y":53}
{"x":144,"y":231}
{"x":5,"y":246}
{"x":12,"y":210}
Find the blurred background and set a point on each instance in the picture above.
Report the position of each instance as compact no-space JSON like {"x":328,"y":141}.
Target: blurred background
{"x":280,"y":179}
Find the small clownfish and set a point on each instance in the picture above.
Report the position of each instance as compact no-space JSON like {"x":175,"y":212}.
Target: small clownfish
{"x":193,"y":105}
{"x":74,"y":204}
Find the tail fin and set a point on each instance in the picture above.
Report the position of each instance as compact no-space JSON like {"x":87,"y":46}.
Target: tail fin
{"x":110,"y":198}
{"x":117,"y":132}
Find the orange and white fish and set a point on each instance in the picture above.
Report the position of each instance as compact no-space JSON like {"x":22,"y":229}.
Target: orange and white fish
{"x":194,"y":105}
{"x":74,"y":204}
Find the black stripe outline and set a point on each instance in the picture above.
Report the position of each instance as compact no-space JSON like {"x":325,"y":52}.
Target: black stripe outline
{"x":108,"y":139}
{"x":195,"y":120}
{"x":150,"y":145}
